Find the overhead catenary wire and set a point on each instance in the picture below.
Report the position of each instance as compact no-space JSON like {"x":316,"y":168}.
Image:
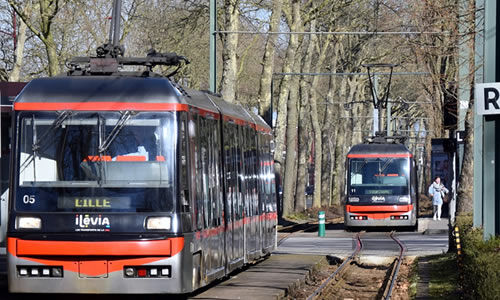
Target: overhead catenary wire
{"x":337,"y":32}
{"x":349,"y":73}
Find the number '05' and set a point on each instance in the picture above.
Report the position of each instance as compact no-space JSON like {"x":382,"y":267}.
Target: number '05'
{"x":29,"y":199}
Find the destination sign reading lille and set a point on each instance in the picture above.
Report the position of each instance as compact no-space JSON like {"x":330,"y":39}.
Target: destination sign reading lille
{"x":488,"y":98}
{"x":94,"y":203}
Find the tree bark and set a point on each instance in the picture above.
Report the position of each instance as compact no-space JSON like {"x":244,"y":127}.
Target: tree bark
{"x":318,"y":141}
{"x":291,"y":149}
{"x":304,"y":150}
{"x":264,"y":97}
{"x":48,"y":11}
{"x":329,"y":134}
{"x":465,"y":204}
{"x":288,"y":66}
{"x":229,"y":56}
{"x":291,"y":120}
{"x":21,"y":39}
{"x":304,"y":141}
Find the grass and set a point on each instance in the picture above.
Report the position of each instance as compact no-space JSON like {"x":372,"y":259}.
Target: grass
{"x":299,"y":217}
{"x":413,"y":279}
{"x":444,"y":276}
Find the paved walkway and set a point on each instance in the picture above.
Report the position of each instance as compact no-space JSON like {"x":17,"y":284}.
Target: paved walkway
{"x":270,"y":279}
{"x":424,"y":277}
{"x":430,"y":226}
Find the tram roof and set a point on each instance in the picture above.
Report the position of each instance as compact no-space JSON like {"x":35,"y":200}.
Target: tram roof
{"x":99,"y":89}
{"x":97,"y":92}
{"x":382,"y":149}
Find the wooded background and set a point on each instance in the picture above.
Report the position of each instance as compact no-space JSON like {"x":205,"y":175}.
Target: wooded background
{"x":314,"y":130}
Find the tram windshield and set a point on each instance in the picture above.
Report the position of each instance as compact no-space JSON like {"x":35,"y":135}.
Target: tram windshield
{"x":379,"y":176}
{"x":106,"y":161}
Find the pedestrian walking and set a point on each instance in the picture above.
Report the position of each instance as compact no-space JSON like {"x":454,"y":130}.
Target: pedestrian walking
{"x":437,"y":192}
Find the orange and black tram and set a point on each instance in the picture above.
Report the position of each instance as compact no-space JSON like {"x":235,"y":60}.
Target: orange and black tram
{"x":128,"y":183}
{"x":381,"y":186}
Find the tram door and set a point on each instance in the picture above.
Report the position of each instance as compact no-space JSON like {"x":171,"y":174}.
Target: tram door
{"x":249,"y":191}
{"x":239,"y":237}
{"x":234,"y":208}
{"x":264,"y":190}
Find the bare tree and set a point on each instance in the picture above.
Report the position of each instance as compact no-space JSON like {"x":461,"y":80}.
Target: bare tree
{"x":465,"y":204}
{"x":229,"y":56}
{"x":290,"y":103}
{"x":264,"y":97}
{"x":20,"y":41}
{"x":43,"y":28}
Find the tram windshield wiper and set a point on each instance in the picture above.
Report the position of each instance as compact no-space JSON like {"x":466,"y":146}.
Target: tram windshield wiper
{"x":116,"y":130}
{"x":39,"y":143}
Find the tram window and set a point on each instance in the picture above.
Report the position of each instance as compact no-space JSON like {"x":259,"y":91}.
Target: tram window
{"x":245,"y":184}
{"x":183,"y":180}
{"x":217,"y":192}
{"x":228,"y":169}
{"x":204,"y":159}
{"x":211,"y":172}
{"x":379,"y":176}
{"x":238,"y":142}
{"x":79,"y":157}
{"x":199,"y":171}
{"x":253,"y":174}
{"x":237,"y":206}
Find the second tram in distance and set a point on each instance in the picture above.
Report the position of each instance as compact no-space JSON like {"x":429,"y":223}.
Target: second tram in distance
{"x":381,"y":186}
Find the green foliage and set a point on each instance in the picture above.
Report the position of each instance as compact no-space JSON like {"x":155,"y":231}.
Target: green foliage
{"x":299,"y":216}
{"x":413,"y":279}
{"x":481,"y":263}
{"x":444,"y":275}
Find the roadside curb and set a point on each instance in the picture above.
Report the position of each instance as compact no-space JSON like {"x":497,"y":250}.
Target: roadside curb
{"x":300,"y":282}
{"x":435,"y":231}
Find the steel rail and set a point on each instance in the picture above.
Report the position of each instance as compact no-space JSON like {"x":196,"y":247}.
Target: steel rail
{"x":394,"y":273}
{"x":318,"y":291}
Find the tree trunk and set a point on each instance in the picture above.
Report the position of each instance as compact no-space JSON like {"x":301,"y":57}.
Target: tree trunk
{"x":48,"y":11}
{"x":21,"y":39}
{"x":318,"y":141}
{"x":291,"y":117}
{"x":304,"y":125}
{"x":328,"y":132}
{"x":268,"y":61}
{"x":291,"y":149}
{"x":229,"y":56}
{"x":52,"y":57}
{"x":465,"y":204}
{"x":288,"y":66}
{"x":302,"y":164}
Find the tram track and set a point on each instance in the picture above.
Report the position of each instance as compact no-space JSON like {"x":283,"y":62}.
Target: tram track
{"x":351,"y":279}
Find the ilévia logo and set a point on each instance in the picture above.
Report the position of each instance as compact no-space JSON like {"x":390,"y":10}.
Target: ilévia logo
{"x":378,"y":198}
{"x":85,"y":222}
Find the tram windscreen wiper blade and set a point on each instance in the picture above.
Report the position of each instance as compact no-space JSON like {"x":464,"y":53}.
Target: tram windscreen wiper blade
{"x":116,"y":130}
{"x":56,"y":124}
{"x":37,"y":144}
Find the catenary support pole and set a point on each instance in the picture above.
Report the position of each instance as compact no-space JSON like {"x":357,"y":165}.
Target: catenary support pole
{"x":490,"y":124}
{"x":478,"y":121}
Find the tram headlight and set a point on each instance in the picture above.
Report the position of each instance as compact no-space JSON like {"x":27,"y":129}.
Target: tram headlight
{"x":159,"y":223}
{"x":28,"y":223}
{"x":405,"y":199}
